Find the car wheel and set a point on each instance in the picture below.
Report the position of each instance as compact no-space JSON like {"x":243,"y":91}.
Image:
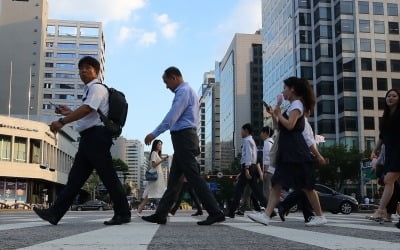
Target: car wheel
{"x":346,"y":207}
{"x":101,"y":208}
{"x":79,"y":209}
{"x":334,"y":211}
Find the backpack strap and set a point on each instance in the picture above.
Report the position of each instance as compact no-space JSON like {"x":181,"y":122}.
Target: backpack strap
{"x":102,"y":116}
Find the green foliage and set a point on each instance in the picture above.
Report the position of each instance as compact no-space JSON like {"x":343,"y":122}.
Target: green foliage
{"x":344,"y":164}
{"x":120,"y":165}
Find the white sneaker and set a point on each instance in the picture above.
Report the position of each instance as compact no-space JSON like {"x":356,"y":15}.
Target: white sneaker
{"x":260,"y":218}
{"x":139,"y":214}
{"x":317,"y":221}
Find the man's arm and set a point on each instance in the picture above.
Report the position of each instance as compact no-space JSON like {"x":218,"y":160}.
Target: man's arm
{"x":77,"y":114}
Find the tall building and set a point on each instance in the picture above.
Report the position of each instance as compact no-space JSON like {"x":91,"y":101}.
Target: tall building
{"x":65,"y":44}
{"x":22,"y":31}
{"x":235,"y":78}
{"x":350,"y":52}
{"x":39,"y":57}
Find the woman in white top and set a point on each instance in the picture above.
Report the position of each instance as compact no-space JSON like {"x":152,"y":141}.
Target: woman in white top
{"x":154,"y":189}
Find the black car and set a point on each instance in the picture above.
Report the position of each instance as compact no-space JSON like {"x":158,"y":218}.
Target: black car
{"x":335,"y":202}
{"x":92,"y":205}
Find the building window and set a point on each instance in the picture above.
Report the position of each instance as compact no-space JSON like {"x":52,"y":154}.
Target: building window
{"x":367,"y":83}
{"x":304,"y":4}
{"x":49,"y":44}
{"x":347,"y":103}
{"x":347,"y":26}
{"x":326,"y":107}
{"x":51,"y":30}
{"x":88,"y":46}
{"x":392,"y":9}
{"x":348,"y":44}
{"x":378,"y":8}
{"x":369,"y":143}
{"x":346,"y":64}
{"x":368,"y":103}
{"x":307,"y":72}
{"x":348,"y":123}
{"x":369,"y":123}
{"x":65,"y":65}
{"x":366,"y":64}
{"x":379,"y":27}
{"x":324,"y":50}
{"x":49,"y":65}
{"x":365,"y":45}
{"x":89,"y":32}
{"x":66,"y":45}
{"x":305,"y":37}
{"x":5,"y":148}
{"x":363,"y":7}
{"x":364,"y":26}
{"x":64,"y":96}
{"x":324,"y":69}
{"x":306,"y":55}
{"x":346,"y":84}
{"x":381,"y":65}
{"x":382,"y":84}
{"x":65,"y":86}
{"x":65,"y":75}
{"x":322,"y":13}
{"x":66,"y":55}
{"x":393,"y":28}
{"x":47,"y":96}
{"x":49,"y":54}
{"x":68,"y":31}
{"x":47,"y":85}
{"x":304,"y":19}
{"x":346,"y":7}
{"x":48,"y":75}
{"x":20,"y":149}
{"x":395,"y":65}
{"x":380,"y":45}
{"x":325,"y":88}
{"x":381,"y":103}
{"x":396,"y":83}
{"x":323,"y":31}
{"x":394,"y":46}
{"x":326,"y":126}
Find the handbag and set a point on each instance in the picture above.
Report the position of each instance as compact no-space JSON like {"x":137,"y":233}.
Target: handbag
{"x":151,"y":175}
{"x":273,"y":153}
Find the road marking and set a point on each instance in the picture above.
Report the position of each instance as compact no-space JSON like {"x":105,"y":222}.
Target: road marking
{"x":22,"y":225}
{"x":325,"y":240}
{"x":127,"y":236}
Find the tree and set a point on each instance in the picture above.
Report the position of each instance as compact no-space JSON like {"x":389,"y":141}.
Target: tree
{"x":343,"y":164}
{"x":120,"y":165}
{"x":91,"y":184}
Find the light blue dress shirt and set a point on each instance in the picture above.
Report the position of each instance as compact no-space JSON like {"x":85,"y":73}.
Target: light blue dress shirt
{"x":184,"y":112}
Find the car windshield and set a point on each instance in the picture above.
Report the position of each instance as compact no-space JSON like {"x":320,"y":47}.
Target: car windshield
{"x":323,"y":189}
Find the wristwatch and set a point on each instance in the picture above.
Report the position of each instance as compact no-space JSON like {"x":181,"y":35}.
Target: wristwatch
{"x":61,"y":120}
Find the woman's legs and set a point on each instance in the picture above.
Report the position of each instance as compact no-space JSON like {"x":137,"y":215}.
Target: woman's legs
{"x":273,"y":199}
{"x":142,"y":204}
{"x":389,"y":180}
{"x":312,"y":197}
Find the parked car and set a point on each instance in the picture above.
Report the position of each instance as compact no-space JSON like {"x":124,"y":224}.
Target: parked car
{"x":335,"y":202}
{"x":92,"y":205}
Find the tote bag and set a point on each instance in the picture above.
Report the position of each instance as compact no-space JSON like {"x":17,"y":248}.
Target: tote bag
{"x":273,"y":153}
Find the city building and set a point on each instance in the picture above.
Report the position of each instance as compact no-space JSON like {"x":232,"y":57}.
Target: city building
{"x":348,"y":50}
{"x":39,"y":57}
{"x":212,"y":148}
{"x":34,"y":162}
{"x":238,"y":75}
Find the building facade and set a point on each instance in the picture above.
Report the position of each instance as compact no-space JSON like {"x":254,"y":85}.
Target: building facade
{"x":235,"y":94}
{"x":350,"y":52}
{"x":34,"y":162}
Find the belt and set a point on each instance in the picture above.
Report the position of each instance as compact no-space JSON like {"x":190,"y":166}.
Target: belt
{"x":89,"y":130}
{"x":183,"y":130}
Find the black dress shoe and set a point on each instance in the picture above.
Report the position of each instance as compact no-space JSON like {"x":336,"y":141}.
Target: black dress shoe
{"x":154,"y":218}
{"x":398,"y":224}
{"x":46,"y":215}
{"x":282,"y":213}
{"x":240,"y":213}
{"x":230,"y":215}
{"x":118,"y":220}
{"x":211,"y":220}
{"x":199,"y":212}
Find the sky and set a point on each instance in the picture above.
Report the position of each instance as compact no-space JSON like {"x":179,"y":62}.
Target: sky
{"x":144,"y":37}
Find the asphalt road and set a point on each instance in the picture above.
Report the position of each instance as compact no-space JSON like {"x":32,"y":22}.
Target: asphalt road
{"x":85,"y":230}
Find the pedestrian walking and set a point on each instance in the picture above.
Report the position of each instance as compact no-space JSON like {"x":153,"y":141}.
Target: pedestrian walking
{"x":93,"y":151}
{"x":182,"y":120}
{"x":390,"y":136}
{"x":294,"y":158}
{"x":154,"y":189}
{"x":185,"y":187}
{"x":268,"y":170}
{"x":249,"y":173}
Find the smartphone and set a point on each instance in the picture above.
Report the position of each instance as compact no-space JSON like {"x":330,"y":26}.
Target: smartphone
{"x":56,"y":106}
{"x":267,"y":106}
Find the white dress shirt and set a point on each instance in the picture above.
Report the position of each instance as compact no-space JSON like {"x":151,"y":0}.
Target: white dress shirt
{"x":249,"y":151}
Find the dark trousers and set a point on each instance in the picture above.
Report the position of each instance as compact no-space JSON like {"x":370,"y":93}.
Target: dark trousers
{"x":392,"y":205}
{"x":186,"y":148}
{"x":93,"y":153}
{"x":255,"y":189}
{"x":186,"y":188}
{"x":297,"y":197}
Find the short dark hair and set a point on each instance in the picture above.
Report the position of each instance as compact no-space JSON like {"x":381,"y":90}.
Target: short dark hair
{"x":172,"y":71}
{"x":268,"y":130}
{"x":248,"y":127}
{"x":90,"y":61}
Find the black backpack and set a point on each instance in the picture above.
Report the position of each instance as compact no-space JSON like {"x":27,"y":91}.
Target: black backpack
{"x":117,"y":112}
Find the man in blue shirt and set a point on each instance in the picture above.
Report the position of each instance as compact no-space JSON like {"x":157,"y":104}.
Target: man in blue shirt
{"x":182,"y":120}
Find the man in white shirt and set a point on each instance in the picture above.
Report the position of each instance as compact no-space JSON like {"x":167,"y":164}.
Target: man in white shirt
{"x":249,"y":171}
{"x":268,"y":170}
{"x":93,"y":151}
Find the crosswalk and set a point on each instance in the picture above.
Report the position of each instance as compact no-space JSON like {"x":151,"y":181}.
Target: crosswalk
{"x":341,"y":232}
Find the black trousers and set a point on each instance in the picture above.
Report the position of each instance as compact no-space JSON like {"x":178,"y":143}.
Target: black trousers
{"x":93,"y":153}
{"x":255,"y":189}
{"x":297,"y":197}
{"x":392,"y":205}
{"x":186,"y":188}
{"x":186,"y":148}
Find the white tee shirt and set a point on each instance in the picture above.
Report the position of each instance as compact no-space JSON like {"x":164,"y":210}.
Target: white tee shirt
{"x":296,"y":104}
